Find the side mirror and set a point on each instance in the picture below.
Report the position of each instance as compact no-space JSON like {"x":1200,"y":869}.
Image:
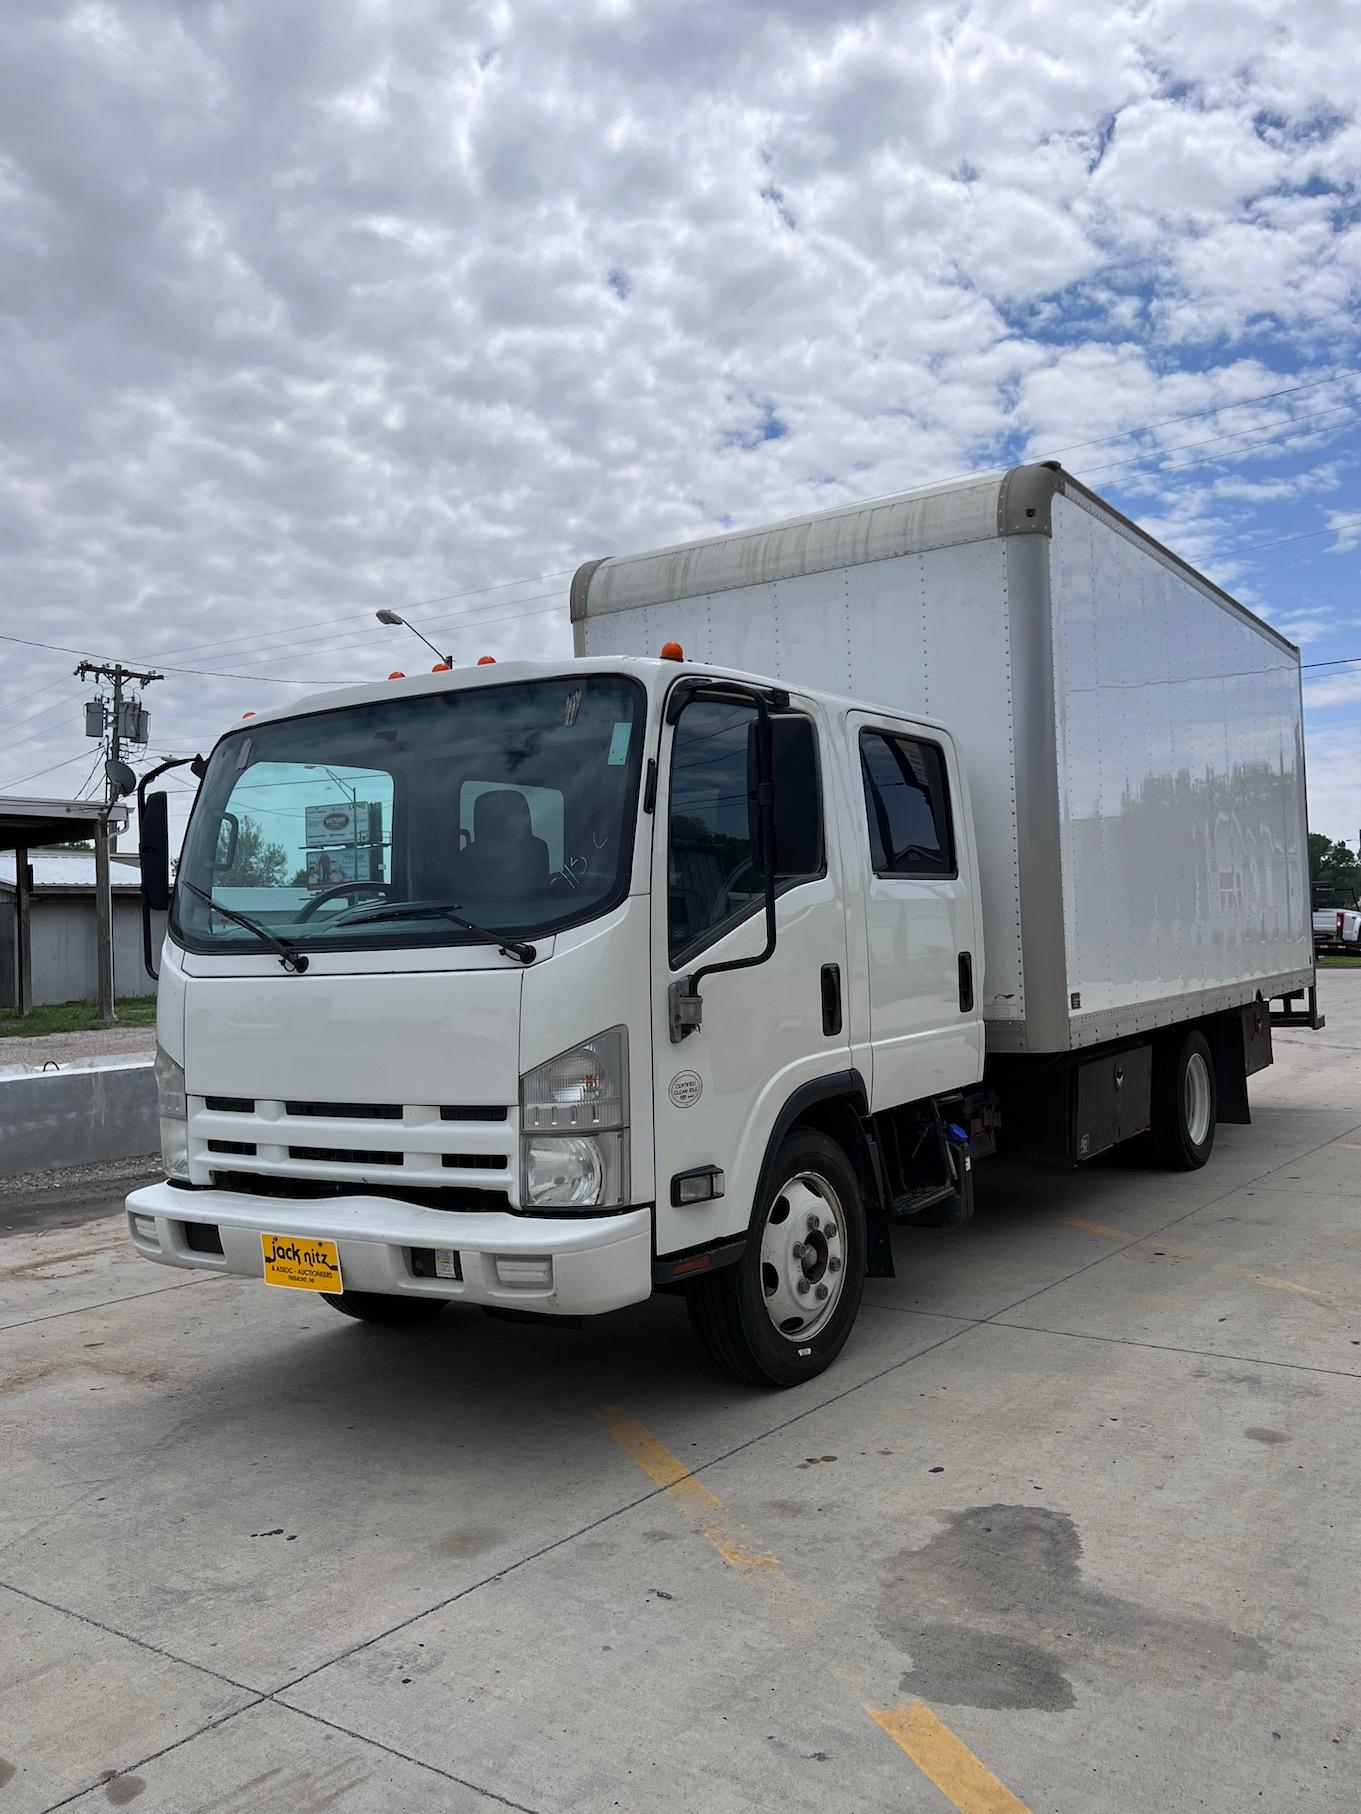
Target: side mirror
{"x":153,"y":843}
{"x":795,"y":796}
{"x":227,"y":834}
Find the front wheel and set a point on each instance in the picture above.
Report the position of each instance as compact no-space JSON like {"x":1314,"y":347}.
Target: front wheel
{"x":783,"y":1312}
{"x":385,"y":1307}
{"x":1185,"y":1104}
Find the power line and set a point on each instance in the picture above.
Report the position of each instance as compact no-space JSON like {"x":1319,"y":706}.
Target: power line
{"x":1307,"y":535}
{"x":62,"y":648}
{"x":37,"y":773}
{"x":1284,"y":427}
{"x":356,"y":642}
{"x":1196,"y":414}
{"x":559,"y":573}
{"x":419,"y":604}
{"x":36,"y":736}
{"x":65,"y":680}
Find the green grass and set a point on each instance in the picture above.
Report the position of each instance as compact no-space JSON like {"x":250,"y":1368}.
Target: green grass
{"x":1325,"y":962}
{"x":75,"y":1017}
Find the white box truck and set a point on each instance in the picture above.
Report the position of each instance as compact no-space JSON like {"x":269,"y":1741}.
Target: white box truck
{"x":842,"y":852}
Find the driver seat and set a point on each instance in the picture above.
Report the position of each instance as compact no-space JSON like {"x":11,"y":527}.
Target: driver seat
{"x":505,"y":861}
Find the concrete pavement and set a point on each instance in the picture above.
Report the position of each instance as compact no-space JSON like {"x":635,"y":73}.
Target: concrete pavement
{"x":1074,"y":1516}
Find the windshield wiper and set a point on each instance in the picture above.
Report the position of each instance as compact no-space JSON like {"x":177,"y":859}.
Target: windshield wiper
{"x":435,"y":910}
{"x":289,"y":956}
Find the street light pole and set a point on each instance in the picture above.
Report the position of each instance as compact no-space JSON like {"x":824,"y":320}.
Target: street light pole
{"x":391,"y":617}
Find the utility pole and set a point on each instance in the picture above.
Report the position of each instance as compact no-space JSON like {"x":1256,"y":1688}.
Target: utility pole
{"x":118,"y":780}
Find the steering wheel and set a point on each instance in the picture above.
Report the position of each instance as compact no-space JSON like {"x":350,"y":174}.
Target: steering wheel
{"x":339,"y":888}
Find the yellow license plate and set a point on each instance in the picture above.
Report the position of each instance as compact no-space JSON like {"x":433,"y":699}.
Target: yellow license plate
{"x":301,"y":1262}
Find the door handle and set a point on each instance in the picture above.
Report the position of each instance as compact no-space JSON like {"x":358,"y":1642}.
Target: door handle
{"x":965,"y":982}
{"x":831,"y":998}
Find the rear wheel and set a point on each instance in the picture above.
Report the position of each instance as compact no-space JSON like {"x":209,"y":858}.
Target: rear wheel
{"x":1185,"y":1104}
{"x":783,"y":1312}
{"x":383,"y":1307}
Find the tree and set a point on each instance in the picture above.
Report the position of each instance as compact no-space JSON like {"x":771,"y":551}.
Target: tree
{"x":255,"y":864}
{"x":1332,"y":863}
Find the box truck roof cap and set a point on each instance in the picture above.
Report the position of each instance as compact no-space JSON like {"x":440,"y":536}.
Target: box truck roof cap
{"x":1018,"y":502}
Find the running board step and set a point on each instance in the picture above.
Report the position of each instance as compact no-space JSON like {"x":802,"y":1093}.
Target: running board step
{"x":910,"y":1203}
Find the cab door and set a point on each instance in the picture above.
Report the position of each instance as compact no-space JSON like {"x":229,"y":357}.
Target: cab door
{"x":922,"y":925}
{"x":767,"y":1029}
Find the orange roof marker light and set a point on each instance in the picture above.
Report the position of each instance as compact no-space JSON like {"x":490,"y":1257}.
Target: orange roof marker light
{"x":248,"y":714}
{"x":486,"y":661}
{"x":396,"y":674}
{"x":672,"y":651}
{"x":441,"y":667}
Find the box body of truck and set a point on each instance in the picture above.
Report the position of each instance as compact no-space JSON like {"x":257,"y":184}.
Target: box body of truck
{"x":1132,"y":735}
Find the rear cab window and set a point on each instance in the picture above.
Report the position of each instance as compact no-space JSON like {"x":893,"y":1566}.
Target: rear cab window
{"x":907,"y":806}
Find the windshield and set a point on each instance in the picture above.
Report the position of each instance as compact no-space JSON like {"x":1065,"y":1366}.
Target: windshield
{"x":510,"y":806}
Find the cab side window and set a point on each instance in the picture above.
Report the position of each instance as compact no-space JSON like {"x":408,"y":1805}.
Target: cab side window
{"x":907,"y":801}
{"x":714,"y":873}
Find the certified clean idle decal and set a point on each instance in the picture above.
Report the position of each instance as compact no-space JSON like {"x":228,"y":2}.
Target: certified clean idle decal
{"x":685,"y":1089}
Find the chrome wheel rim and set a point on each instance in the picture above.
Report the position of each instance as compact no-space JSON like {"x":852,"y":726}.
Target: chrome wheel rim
{"x":1196,"y":1098}
{"x":803,"y":1256}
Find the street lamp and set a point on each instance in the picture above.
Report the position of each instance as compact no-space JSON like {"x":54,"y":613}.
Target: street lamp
{"x":391,"y":617}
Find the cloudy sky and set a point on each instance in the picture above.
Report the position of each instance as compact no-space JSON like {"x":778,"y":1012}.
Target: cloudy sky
{"x":308,"y":309}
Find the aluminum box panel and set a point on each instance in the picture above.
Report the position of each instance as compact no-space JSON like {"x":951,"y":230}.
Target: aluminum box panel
{"x":1182,"y":822}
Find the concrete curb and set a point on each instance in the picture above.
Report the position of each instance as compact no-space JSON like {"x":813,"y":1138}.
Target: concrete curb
{"x":94,"y":1111}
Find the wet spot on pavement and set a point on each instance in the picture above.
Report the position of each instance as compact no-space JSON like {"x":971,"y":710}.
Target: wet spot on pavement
{"x":472,"y":1540}
{"x":120,"y":1790}
{"x":993,"y":1612}
{"x":1261,"y":1435}
{"x":7,"y":1771}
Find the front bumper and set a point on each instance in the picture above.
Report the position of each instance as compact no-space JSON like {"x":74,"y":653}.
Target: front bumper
{"x":598,"y":1262}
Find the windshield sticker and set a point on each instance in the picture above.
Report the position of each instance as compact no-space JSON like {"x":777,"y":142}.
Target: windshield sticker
{"x":571,"y":707}
{"x":243,"y":754}
{"x":619,"y":745}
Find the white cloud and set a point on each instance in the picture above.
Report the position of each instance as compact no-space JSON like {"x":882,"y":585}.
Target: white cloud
{"x":1334,"y":782}
{"x":301,"y":319}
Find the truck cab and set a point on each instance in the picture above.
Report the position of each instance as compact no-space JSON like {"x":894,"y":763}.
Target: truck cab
{"x":539,"y":986}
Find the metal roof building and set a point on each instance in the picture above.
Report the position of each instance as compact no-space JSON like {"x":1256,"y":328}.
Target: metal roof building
{"x":28,"y":825}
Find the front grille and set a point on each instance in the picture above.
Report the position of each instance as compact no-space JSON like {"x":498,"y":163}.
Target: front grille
{"x":472,"y":1112}
{"x":347,"y":1111}
{"x":246,"y":1148}
{"x":266,"y":1184}
{"x":474,"y":1162}
{"x":343,"y":1155}
{"x":230,"y":1105}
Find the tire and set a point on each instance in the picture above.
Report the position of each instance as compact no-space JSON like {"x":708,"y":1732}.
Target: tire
{"x":745,"y":1314}
{"x":1185,"y":1104}
{"x":384,"y":1307}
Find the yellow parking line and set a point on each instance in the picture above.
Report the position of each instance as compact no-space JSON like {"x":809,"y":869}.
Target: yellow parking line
{"x":963,"y":1779}
{"x":701,"y":1506}
{"x":941,"y":1757}
{"x":1119,"y":1234}
{"x":1300,"y":1291}
{"x":1096,"y":1228}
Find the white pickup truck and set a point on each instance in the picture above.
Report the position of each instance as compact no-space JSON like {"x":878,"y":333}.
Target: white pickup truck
{"x":1337,"y":920}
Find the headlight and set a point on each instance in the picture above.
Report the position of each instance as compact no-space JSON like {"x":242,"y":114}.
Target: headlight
{"x":574,"y":1127}
{"x":173,"y":1108}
